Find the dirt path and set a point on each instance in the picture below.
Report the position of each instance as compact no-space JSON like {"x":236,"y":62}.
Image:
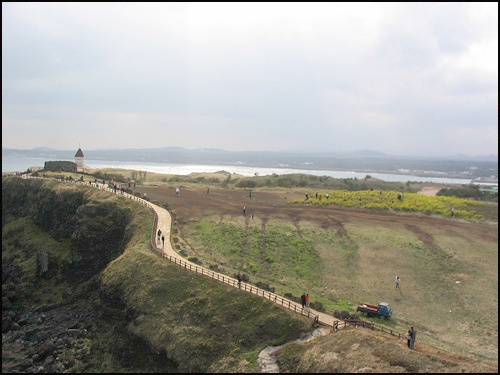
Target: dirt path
{"x":164,"y":224}
{"x":429,"y":190}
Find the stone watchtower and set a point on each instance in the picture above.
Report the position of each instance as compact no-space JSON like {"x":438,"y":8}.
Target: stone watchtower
{"x":79,"y":159}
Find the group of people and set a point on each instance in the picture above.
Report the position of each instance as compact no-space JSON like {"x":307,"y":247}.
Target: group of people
{"x":160,"y":236}
{"x":119,"y":188}
{"x":318,"y":196}
{"x":410,"y":337}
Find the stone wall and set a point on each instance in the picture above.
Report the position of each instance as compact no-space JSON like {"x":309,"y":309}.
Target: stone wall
{"x":60,"y":166}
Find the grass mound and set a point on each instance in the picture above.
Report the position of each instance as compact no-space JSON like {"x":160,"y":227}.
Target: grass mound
{"x":360,"y":350}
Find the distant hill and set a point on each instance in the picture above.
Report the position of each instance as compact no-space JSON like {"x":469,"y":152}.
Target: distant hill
{"x":366,"y":161}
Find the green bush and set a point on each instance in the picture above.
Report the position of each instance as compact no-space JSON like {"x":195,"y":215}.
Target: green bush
{"x":246,"y":183}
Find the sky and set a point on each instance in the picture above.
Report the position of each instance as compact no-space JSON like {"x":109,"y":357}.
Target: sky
{"x":415,"y":79}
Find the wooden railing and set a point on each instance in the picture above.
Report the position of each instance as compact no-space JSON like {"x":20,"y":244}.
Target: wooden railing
{"x":273,"y":297}
{"x":234,"y":283}
{"x":365,"y":324}
{"x":229,"y":280}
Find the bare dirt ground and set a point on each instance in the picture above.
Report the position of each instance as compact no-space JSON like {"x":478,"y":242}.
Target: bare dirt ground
{"x":196,"y":204}
{"x":429,"y":190}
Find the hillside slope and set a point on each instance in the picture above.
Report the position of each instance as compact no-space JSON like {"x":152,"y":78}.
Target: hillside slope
{"x":82,"y":292}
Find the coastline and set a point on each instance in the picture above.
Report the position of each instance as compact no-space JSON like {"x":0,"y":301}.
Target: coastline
{"x":20,"y":164}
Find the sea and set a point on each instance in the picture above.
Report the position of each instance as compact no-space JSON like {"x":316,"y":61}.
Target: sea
{"x":21,"y":163}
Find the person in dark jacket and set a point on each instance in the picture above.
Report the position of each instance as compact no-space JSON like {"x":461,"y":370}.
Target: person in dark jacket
{"x":303,"y":298}
{"x":413,"y":334}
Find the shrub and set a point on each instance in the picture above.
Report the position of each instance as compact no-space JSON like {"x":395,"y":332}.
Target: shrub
{"x":269,"y":259}
{"x":195,"y":260}
{"x":244,"y":277}
{"x":317,"y":306}
{"x":265,"y":286}
{"x":344,"y":315}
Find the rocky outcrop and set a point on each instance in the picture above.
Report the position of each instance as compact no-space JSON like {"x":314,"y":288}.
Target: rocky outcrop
{"x":45,"y":338}
{"x":45,"y":324}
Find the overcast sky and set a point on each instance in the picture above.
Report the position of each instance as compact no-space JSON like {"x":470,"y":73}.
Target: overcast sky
{"x":401,"y":78}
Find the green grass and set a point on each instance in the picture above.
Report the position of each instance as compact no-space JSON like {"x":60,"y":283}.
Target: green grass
{"x":191,"y":316}
{"x":342,"y":272}
{"x":22,"y":233}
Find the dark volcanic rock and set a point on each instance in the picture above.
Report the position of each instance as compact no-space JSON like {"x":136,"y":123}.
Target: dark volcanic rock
{"x":6,"y":324}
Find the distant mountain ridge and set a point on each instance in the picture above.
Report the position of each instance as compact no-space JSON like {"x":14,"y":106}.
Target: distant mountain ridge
{"x":368,"y":161}
{"x":337,"y":154}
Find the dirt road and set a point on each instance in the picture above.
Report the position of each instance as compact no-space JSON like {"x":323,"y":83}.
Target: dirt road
{"x":196,"y":204}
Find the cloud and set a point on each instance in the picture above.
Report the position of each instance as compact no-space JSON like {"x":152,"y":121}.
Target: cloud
{"x":253,"y":76}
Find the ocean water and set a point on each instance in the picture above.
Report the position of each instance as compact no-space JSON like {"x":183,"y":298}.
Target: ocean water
{"x":21,"y":163}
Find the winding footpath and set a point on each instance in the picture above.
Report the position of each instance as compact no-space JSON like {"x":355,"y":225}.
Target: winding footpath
{"x":163,"y":222}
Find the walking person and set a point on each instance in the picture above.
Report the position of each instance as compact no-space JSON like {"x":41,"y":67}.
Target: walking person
{"x":208,"y":190}
{"x":176,"y":191}
{"x":163,"y":240}
{"x":413,"y":335}
{"x":307,"y":300}
{"x":244,"y":210}
{"x":397,"y":282}
{"x":452,"y":211}
{"x":303,"y":299}
{"x":239,"y":280}
{"x":158,"y":237}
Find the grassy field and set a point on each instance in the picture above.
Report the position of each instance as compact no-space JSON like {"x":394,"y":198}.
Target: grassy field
{"x":343,"y":271}
{"x":203,"y":324}
{"x":448,"y":268}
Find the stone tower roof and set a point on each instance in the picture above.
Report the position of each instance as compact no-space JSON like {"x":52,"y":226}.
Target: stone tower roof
{"x":79,"y":153}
